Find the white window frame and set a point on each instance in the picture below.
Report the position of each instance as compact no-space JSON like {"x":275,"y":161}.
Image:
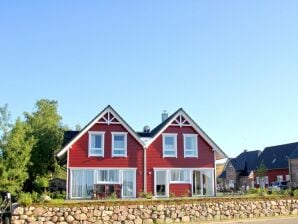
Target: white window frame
{"x":266,"y":180}
{"x":195,"y":136}
{"x":175,"y":144}
{"x":97,"y":181}
{"x":258,"y":180}
{"x":125,"y":144}
{"x":180,"y":181}
{"x":102,"y":134}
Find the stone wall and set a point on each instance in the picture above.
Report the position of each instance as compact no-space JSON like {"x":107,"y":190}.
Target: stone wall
{"x":154,"y":211}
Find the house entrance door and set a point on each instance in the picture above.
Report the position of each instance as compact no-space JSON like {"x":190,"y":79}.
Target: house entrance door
{"x":196,"y":178}
{"x":160,"y":183}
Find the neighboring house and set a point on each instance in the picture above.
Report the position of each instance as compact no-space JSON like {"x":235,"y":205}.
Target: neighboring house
{"x":276,"y":161}
{"x":238,"y":172}
{"x":177,"y":157}
{"x":293,"y":168}
{"x":57,"y":184}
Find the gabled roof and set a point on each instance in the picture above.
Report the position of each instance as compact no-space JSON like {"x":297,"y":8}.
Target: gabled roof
{"x":294,"y":154}
{"x":157,"y":131}
{"x":247,"y":160}
{"x":63,"y":151}
{"x":276,"y":157}
{"x":144,"y":138}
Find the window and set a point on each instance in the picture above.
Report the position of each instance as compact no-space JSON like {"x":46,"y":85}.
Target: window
{"x":108,"y":176}
{"x":180,"y":176}
{"x":279,"y":178}
{"x":169,"y":145}
{"x":96,"y":143}
{"x":81,"y":183}
{"x":190,"y":145}
{"x":258,"y":180}
{"x":266,"y":180}
{"x":231,"y":183}
{"x":287,"y":177}
{"x":119,"y":144}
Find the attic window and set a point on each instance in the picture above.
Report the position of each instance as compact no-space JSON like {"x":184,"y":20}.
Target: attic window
{"x":273,"y":161}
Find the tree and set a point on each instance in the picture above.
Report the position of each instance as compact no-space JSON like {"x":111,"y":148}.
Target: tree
{"x":16,"y":148}
{"x":45,"y":126}
{"x":261,"y":173}
{"x":5,"y":126}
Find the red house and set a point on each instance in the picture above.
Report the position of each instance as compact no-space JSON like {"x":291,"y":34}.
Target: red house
{"x":107,"y":155}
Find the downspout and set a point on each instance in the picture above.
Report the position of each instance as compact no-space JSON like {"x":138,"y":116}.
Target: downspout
{"x":145,"y":169}
{"x":215,"y":178}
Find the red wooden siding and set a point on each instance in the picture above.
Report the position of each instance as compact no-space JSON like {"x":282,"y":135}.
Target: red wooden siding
{"x":78,"y":154}
{"x":180,"y":190}
{"x":155,"y":154}
{"x":272,"y":174}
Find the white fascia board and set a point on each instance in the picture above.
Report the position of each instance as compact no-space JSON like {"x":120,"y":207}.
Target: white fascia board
{"x":94,"y":121}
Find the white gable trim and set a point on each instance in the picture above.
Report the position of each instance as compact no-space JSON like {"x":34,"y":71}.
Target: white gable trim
{"x":93,"y":122}
{"x":220,"y":153}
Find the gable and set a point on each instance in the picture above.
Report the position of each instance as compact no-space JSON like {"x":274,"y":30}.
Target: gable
{"x":181,"y":119}
{"x":109,"y":117}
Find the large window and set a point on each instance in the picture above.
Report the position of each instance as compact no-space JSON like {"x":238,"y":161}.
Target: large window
{"x":190,"y":145}
{"x":82,"y":183}
{"x":119,"y":144}
{"x":169,"y":145}
{"x":180,"y":175}
{"x":96,"y":143}
{"x":108,"y":176}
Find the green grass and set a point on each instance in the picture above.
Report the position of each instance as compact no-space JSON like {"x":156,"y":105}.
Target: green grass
{"x":142,"y":201}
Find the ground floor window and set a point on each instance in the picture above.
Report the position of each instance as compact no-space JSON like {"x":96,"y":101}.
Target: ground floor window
{"x":84,"y":181}
{"x":201,"y":180}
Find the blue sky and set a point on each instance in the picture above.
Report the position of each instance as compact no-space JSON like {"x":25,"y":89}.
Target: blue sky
{"x":232,"y":65}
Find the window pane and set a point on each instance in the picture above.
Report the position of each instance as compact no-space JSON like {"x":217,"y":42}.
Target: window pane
{"x":174,"y":175}
{"x":184,"y":175}
{"x":190,"y":142}
{"x":113,"y":175}
{"x":169,"y":153}
{"x":103,"y":175}
{"x":119,"y":152}
{"x":119,"y":141}
{"x":169,"y":142}
{"x":96,"y":151}
{"x":95,"y":141}
{"x":190,"y":153}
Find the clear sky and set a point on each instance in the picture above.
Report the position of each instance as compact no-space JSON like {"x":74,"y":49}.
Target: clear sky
{"x":232,"y":65}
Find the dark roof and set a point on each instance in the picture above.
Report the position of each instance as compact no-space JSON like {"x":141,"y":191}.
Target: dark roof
{"x":276,"y":157}
{"x":294,"y":154}
{"x":223,"y":174}
{"x":68,"y":136}
{"x":155,"y":130}
{"x":246,"y":161}
{"x":163,"y":124}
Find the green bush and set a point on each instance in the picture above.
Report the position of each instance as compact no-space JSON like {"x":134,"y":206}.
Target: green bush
{"x":35,"y":196}
{"x":58,"y":195}
{"x":252,"y":191}
{"x":262,"y":192}
{"x":295,"y":192}
{"x":148,"y":195}
{"x":42,"y":183}
{"x":25,"y":199}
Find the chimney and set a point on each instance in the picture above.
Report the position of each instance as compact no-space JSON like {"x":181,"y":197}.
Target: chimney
{"x":164,"y":116}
